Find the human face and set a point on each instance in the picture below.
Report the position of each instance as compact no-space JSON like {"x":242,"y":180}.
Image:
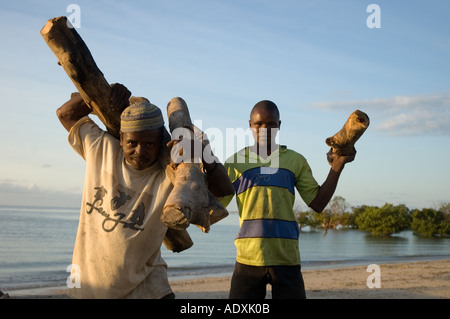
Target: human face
{"x":141,"y":149}
{"x":264,"y":125}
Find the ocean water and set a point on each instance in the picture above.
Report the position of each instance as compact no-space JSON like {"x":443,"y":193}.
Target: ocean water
{"x":36,"y":248}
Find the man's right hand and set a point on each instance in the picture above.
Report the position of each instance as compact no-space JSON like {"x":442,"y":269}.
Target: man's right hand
{"x":120,"y":97}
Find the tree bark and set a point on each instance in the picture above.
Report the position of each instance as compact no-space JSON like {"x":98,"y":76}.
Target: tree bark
{"x":343,"y":142}
{"x":190,"y":201}
{"x":75,"y":58}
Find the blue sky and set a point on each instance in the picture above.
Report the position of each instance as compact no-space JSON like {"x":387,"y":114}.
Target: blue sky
{"x":317,"y":60}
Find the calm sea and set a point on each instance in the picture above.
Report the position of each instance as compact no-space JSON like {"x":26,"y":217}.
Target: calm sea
{"x":36,"y":248}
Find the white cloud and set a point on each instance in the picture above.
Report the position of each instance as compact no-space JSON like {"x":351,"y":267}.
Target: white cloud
{"x":427,"y":114}
{"x":13,"y":192}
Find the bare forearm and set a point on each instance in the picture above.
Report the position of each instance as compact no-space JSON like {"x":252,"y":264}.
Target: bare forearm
{"x":219,"y":183}
{"x":326,"y":192}
{"x":328,"y":188}
{"x":71,"y":111}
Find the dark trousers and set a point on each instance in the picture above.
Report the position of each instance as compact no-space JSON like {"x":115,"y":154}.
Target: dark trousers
{"x":249,"y":282}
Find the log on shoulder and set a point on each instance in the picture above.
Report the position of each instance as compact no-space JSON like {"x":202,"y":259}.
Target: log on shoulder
{"x":74,"y":56}
{"x":190,"y":201}
{"x":343,"y":142}
{"x":76,"y":59}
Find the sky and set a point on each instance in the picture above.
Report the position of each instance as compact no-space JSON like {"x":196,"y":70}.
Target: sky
{"x":317,"y":60}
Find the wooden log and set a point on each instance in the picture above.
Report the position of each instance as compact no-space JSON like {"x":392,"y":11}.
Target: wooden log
{"x":343,"y":142}
{"x":190,"y":201}
{"x":75,"y":58}
{"x":177,"y":240}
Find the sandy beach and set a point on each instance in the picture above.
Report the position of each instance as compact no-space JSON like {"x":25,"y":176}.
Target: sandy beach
{"x":415,"y":280}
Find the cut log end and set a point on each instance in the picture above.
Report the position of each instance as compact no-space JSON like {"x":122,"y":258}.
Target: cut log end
{"x":178,"y":113}
{"x":174,"y":218}
{"x":177,"y":240}
{"x":47,"y":27}
{"x":362,"y":118}
{"x":52,"y":23}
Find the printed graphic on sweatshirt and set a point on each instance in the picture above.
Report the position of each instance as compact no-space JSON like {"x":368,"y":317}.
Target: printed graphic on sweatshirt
{"x":133,"y":220}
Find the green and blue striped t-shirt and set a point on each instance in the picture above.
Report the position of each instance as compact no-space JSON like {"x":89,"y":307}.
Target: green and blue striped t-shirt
{"x":265,"y":195}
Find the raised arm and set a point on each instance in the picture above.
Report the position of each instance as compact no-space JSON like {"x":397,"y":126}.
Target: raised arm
{"x":71,"y":111}
{"x":219,"y":183}
{"x":328,"y":188}
{"x":74,"y":109}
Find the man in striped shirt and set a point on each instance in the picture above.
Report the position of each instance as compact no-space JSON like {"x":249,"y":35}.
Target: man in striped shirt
{"x":265,"y":177}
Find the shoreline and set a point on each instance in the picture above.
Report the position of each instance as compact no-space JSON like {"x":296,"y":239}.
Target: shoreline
{"x":398,"y":280}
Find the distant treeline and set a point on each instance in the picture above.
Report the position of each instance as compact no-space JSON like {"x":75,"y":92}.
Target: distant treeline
{"x":380,"y":221}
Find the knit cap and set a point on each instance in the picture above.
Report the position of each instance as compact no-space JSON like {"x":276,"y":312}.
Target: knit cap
{"x":141,"y":115}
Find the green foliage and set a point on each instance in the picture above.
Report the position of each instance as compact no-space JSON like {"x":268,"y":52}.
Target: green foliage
{"x":384,"y":221}
{"x":429,"y":222}
{"x":349,"y":218}
{"x":380,"y":221}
